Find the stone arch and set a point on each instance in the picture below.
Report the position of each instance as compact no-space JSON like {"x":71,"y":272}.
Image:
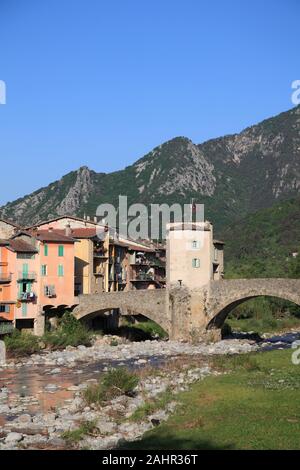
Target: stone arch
{"x":234,"y":293}
{"x":149,"y":303}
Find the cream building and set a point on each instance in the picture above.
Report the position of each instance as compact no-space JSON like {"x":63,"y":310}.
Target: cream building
{"x":193,"y":257}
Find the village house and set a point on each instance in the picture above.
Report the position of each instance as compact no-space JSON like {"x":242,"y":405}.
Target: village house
{"x":40,"y":272}
{"x":106,"y":262}
{"x":7,"y":229}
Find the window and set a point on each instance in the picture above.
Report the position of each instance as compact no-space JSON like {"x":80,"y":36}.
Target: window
{"x":195,"y":244}
{"x":61,"y":250}
{"x":60,"y":270}
{"x":49,"y":291}
{"x":44,"y":270}
{"x":25,"y":256}
{"x":45,"y":250}
{"x":196,"y":263}
{"x":4,"y":308}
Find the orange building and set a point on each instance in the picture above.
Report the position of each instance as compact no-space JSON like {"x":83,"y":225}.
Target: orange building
{"x":37,"y":275}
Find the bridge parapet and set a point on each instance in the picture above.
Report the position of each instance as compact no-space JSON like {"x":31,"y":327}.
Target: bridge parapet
{"x":150,"y":303}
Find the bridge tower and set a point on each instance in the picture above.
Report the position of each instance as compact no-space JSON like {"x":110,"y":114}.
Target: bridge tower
{"x":194,"y":258}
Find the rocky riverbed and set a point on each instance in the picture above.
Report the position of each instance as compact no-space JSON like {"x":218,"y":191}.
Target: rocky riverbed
{"x":41,"y":396}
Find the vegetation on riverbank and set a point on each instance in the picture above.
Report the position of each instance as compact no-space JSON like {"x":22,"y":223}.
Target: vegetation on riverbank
{"x":114,"y":383}
{"x":19,"y":344}
{"x":255,"y":405}
{"x":70,"y":332}
{"x":264,"y":315}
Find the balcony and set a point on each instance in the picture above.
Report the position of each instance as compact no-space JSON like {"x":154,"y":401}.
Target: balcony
{"x":143,"y":277}
{"x":5,"y":278}
{"x":29,"y":276}
{"x":27,"y":297}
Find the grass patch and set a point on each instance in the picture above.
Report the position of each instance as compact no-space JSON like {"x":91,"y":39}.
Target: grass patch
{"x":114,"y":383}
{"x":151,"y":328}
{"x":70,"y":332}
{"x":76,"y":435}
{"x":247,"y":362}
{"x":153,"y":405}
{"x":146,"y":329}
{"x":263,"y":325}
{"x":22,"y":344}
{"x":245,"y":408}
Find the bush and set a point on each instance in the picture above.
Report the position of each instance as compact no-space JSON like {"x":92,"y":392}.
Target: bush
{"x":21,"y":344}
{"x":75,"y":436}
{"x":150,"y":328}
{"x":70,"y":332}
{"x":115,"y":382}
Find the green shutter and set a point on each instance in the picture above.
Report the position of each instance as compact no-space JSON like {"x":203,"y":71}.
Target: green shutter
{"x":24,"y":309}
{"x":46,"y":250}
{"x":61,"y":250}
{"x":25,"y":270}
{"x":60,"y":270}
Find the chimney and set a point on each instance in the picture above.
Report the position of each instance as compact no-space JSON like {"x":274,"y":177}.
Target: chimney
{"x":68,"y":230}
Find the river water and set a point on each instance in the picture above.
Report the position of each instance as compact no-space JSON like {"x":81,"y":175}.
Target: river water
{"x":40,"y":391}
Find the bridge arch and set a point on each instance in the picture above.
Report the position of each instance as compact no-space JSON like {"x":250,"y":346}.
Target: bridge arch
{"x":149,"y":303}
{"x":232,"y":293}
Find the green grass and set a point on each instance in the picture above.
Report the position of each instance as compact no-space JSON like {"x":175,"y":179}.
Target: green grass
{"x":255,"y":405}
{"x":151,"y":328}
{"x":76,"y":435}
{"x":152,"y":405}
{"x":114,"y":383}
{"x":263,"y":325}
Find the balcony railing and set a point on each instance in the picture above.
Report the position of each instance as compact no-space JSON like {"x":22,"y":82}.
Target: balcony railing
{"x":27,"y":276}
{"x":4,"y":278}
{"x":143,"y":277}
{"x":27,"y":297}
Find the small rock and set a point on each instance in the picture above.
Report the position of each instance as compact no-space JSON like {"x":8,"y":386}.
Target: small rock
{"x":13,"y":438}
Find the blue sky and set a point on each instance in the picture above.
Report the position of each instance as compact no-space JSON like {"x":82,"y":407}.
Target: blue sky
{"x":100,"y":83}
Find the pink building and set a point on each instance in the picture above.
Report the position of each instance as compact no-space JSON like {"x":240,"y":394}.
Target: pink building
{"x":42,"y":276}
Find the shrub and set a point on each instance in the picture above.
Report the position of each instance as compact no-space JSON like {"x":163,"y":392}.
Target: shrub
{"x":70,"y":332}
{"x":76,"y":435}
{"x":115,"y":382}
{"x":21,"y":344}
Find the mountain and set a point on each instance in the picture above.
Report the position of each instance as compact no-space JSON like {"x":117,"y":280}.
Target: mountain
{"x":266,"y":243}
{"x":232,"y":175}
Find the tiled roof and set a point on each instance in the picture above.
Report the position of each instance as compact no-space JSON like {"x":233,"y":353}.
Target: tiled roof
{"x":72,"y":217}
{"x":21,"y":246}
{"x":52,"y":236}
{"x":79,"y":232}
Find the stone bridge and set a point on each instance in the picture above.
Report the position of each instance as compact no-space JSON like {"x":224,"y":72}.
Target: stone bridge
{"x":187,"y":314}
